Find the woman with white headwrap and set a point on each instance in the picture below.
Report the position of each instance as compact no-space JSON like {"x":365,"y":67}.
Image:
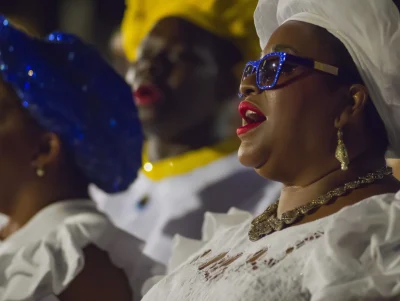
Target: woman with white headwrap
{"x":321,"y":108}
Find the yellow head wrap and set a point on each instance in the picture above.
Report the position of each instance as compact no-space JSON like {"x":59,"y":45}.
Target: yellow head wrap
{"x":229,"y":19}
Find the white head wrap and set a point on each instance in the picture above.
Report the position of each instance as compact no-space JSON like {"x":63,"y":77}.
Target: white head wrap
{"x":369,"y":29}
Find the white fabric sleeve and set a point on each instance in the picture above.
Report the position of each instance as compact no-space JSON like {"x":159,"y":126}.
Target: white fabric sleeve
{"x":43,"y":269}
{"x":360,"y":255}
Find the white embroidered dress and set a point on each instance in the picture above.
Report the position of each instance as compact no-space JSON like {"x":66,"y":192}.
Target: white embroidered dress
{"x":351,"y":255}
{"x":39,"y":261}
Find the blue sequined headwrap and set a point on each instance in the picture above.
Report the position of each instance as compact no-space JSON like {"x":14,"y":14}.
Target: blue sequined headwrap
{"x":71,"y":91}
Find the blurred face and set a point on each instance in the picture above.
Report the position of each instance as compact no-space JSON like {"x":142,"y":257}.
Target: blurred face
{"x":297,"y":118}
{"x":19,"y":136}
{"x":176,"y":80}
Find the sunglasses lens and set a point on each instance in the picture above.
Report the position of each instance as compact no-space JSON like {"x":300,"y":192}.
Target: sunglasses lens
{"x":268,"y":70}
{"x":248,"y":70}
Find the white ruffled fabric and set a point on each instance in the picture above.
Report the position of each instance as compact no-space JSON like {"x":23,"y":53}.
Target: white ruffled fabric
{"x":184,"y":247}
{"x":39,"y":261}
{"x":359,"y":256}
{"x":354,"y":256}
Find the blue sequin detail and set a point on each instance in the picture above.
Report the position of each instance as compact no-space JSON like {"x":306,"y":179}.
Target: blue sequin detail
{"x":69,"y":89}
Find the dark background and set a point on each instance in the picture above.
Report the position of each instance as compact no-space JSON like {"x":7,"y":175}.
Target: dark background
{"x":93,"y":20}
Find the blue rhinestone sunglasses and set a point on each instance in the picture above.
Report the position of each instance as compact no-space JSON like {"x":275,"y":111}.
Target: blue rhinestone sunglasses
{"x":269,"y":68}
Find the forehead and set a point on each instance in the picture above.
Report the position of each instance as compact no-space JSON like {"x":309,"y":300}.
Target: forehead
{"x":169,"y":31}
{"x":177,"y":32}
{"x":302,"y":39}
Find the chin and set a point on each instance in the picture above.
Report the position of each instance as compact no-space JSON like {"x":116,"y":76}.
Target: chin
{"x":264,"y":172}
{"x":271,"y":169}
{"x":259,"y":158}
{"x":252,"y":157}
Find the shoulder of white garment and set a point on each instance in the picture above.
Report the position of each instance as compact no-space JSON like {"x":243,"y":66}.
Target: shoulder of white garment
{"x":359,"y":255}
{"x":122,"y":207}
{"x":46,"y":255}
{"x":201,"y":176}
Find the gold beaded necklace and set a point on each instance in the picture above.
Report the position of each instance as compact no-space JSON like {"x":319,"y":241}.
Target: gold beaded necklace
{"x":268,"y":221}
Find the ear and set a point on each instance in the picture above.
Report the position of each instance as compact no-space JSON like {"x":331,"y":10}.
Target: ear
{"x":359,"y":97}
{"x":49,"y":151}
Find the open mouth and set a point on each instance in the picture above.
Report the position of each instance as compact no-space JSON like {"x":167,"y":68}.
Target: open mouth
{"x":252,"y":117}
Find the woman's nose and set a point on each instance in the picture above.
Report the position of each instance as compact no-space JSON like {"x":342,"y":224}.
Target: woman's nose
{"x":248,"y":86}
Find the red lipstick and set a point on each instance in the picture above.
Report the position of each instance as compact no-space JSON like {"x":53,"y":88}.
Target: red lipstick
{"x":147,"y":95}
{"x":252,"y":117}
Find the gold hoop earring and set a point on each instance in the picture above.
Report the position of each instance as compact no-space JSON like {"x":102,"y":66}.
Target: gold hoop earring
{"x":341,"y":152}
{"x":40,"y":172}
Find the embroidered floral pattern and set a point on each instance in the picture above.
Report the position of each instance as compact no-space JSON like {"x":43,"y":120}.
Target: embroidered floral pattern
{"x":215,"y":267}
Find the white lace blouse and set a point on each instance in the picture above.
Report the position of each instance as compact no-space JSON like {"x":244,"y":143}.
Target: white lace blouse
{"x":40,"y":260}
{"x":351,"y":255}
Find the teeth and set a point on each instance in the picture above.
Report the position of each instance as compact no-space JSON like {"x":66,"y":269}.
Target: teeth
{"x":253,"y":117}
{"x":251,"y":114}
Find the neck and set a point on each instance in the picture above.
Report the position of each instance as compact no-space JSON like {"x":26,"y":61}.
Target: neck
{"x":36,"y":196}
{"x":295,"y":196}
{"x":159,"y":148}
